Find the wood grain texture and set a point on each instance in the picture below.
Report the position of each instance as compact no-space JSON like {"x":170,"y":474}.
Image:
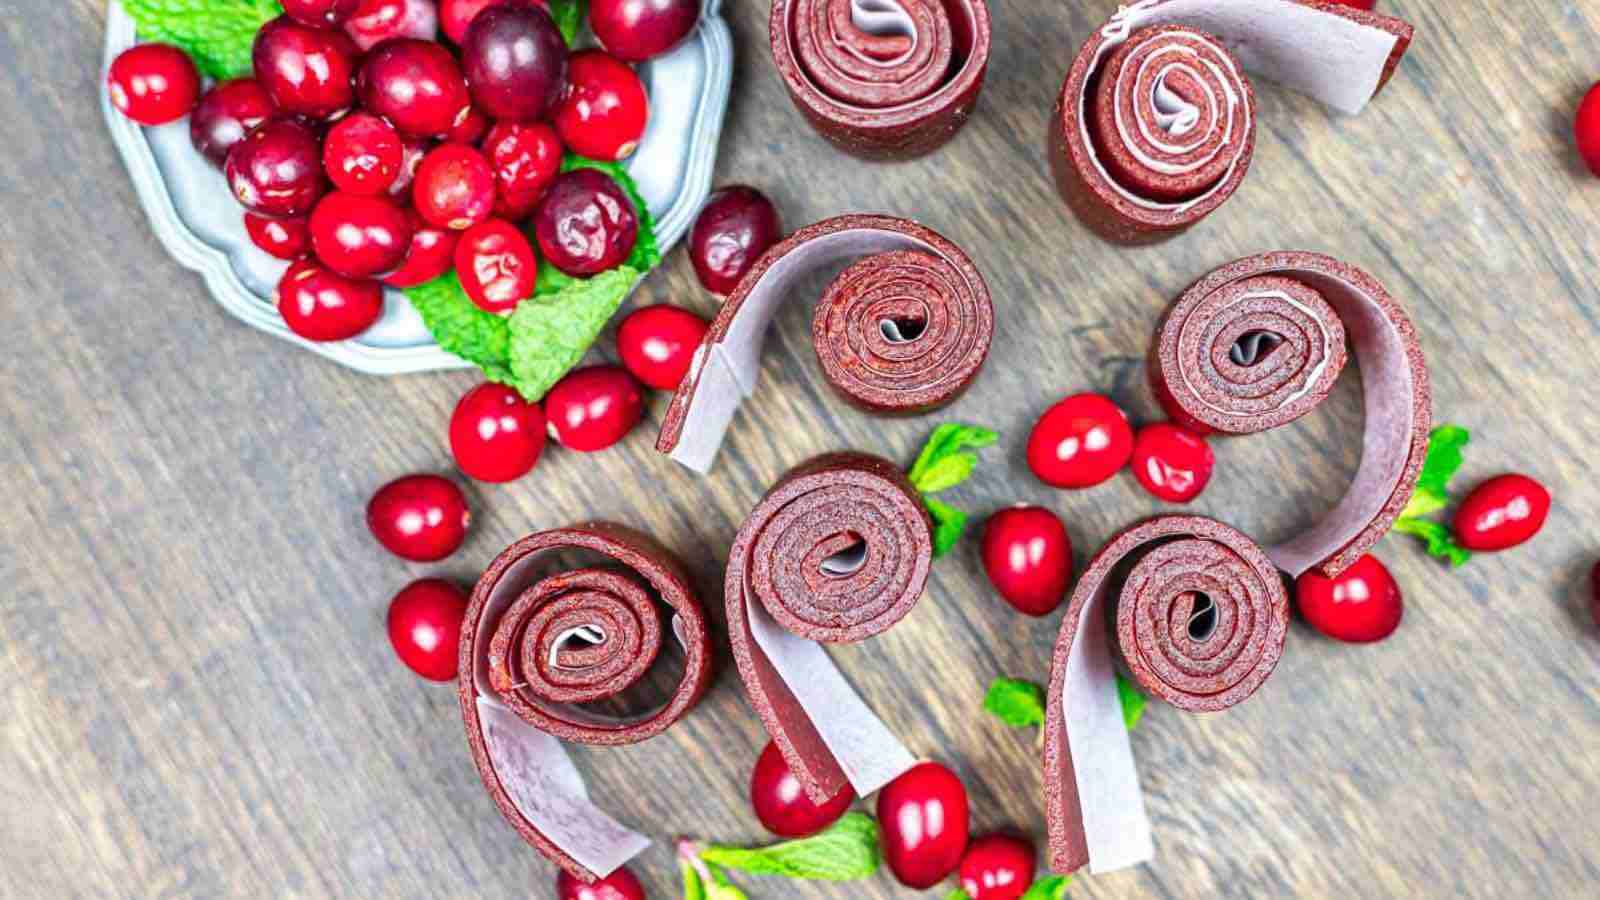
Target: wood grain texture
{"x":197,"y":699}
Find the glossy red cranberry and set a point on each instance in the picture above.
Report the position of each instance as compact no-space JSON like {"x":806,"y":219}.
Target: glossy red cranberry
{"x":1028,"y":557}
{"x":416,"y":149}
{"x":619,"y":885}
{"x":360,"y":237}
{"x":1362,"y":605}
{"x":277,"y":169}
{"x":306,"y":71}
{"x":454,"y":187}
{"x":282,"y":238}
{"x":1172,"y":462}
{"x":516,"y":62}
{"x":319,"y":304}
{"x":584,"y":223}
{"x":781,"y":803}
{"x":363,"y":154}
{"x":496,"y":265}
{"x":432,"y":253}
{"x":605,"y":109}
{"x":1080,"y":442}
{"x":495,"y":434}
{"x":321,"y":13}
{"x":470,"y":130}
{"x":997,"y":867}
{"x":1587,"y":129}
{"x":153,"y":84}
{"x":923,"y":817}
{"x":734,"y":228}
{"x":525,"y":159}
{"x":377,"y":21}
{"x":657,"y":344}
{"x":592,"y":408}
{"x":1501,"y":513}
{"x":415,"y":84}
{"x":228,"y":112}
{"x":422,"y":518}
{"x":425,"y":627}
{"x":637,"y":30}
{"x":456,"y":15}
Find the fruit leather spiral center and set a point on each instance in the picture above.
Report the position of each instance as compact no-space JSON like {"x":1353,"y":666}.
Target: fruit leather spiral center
{"x":874,"y":53}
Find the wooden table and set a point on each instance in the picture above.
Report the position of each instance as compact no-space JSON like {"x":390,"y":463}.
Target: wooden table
{"x":197,"y":697}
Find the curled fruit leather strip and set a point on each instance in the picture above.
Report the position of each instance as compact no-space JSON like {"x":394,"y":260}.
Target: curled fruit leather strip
{"x":544,"y":635}
{"x":1155,"y":125}
{"x":904,"y":329}
{"x":838,"y":551}
{"x":1259,"y":343}
{"x":882,"y":79}
{"x":1198,"y":614}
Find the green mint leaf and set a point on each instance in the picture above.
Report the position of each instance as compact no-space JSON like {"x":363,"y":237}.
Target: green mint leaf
{"x":948,"y":525}
{"x":217,"y":34}
{"x":1443,"y":460}
{"x":1425,"y":502}
{"x":1441,"y":542}
{"x":1016,"y":702}
{"x":646,"y":253}
{"x":693,"y":887}
{"x":948,"y":441}
{"x":551,"y":281}
{"x":1051,"y":887}
{"x":462,"y":328}
{"x":946,"y":473}
{"x":550,"y":333}
{"x":1133,"y":701}
{"x":958,"y":894}
{"x":845,"y":851}
{"x":720,"y":888}
{"x":568,"y":15}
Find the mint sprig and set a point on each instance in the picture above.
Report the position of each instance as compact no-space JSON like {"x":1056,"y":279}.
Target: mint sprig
{"x":568,"y":16}
{"x":550,"y":333}
{"x":847,"y":850}
{"x":462,"y":328}
{"x":945,"y":461}
{"x":1443,"y":460}
{"x":1021,"y":703}
{"x":217,"y":34}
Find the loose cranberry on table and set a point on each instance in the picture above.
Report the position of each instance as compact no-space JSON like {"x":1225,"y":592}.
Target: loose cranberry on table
{"x":415,"y":84}
{"x":619,"y":885}
{"x":454,"y":187}
{"x":781,"y":803}
{"x":422,"y":518}
{"x":154,"y":84}
{"x":997,"y":867}
{"x":657,"y":343}
{"x":425,"y":627}
{"x":282,"y":238}
{"x":1172,"y":462}
{"x":1028,"y":558}
{"x":228,"y":112}
{"x":432,"y":253}
{"x":306,"y":71}
{"x":584,"y":223}
{"x":1587,"y":129}
{"x":360,"y":237}
{"x":604,"y":112}
{"x":1080,"y":442}
{"x":1360,"y":606}
{"x":496,"y":265}
{"x":1501,"y":513}
{"x":277,"y":169}
{"x":363,"y":154}
{"x":456,"y":15}
{"x":592,"y":408}
{"x":525,"y":159}
{"x":923,"y":817}
{"x":734,"y":228}
{"x":637,"y":30}
{"x":321,"y":13}
{"x":496,"y":435}
{"x":376,"y":21}
{"x":516,"y":62}
{"x":470,"y":130}
{"x":319,"y":304}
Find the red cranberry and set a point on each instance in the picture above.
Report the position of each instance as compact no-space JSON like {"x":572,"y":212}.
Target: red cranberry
{"x":377,"y":21}
{"x":657,"y":344}
{"x":1080,"y":442}
{"x":584,"y":223}
{"x":1501,"y":513}
{"x":432,"y":253}
{"x":415,"y":150}
{"x":225,"y":115}
{"x":923,"y":814}
{"x":321,"y":13}
{"x":619,"y":885}
{"x":277,"y":169}
{"x":1362,"y":605}
{"x":306,"y":71}
{"x":781,"y":803}
{"x":1028,"y":557}
{"x":516,"y":62}
{"x":358,"y":236}
{"x":637,"y":30}
{"x":456,"y":15}
{"x":422,"y":518}
{"x":470,"y":130}
{"x":363,"y":154}
{"x":415,"y":84}
{"x":1172,"y":462}
{"x":425,"y":627}
{"x":1359,"y":4}
{"x":282,"y":238}
{"x":154,"y":84}
{"x":1587,"y":129}
{"x":593,"y":408}
{"x":997,"y":867}
{"x":454,"y":187}
{"x":734,"y":228}
{"x":495,"y":434}
{"x":496,"y":265}
{"x":319,"y":304}
{"x":605,"y":109}
{"x":525,"y":159}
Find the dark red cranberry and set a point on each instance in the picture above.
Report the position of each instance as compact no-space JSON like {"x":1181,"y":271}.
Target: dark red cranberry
{"x":1028,"y":557}
{"x":154,"y":84}
{"x":584,"y":223}
{"x":306,"y":71}
{"x":1586,"y":127}
{"x":377,"y":21}
{"x":657,"y":344}
{"x":469,"y":131}
{"x":619,"y":885}
{"x":637,"y":30}
{"x":277,"y":169}
{"x":432,"y":253}
{"x":321,"y":13}
{"x":422,"y":518}
{"x":997,"y":867}
{"x":525,"y":159}
{"x":360,"y":237}
{"x":495,"y":434}
{"x":425,"y":627}
{"x":363,"y":154}
{"x":456,"y":15}
{"x":454,"y":187}
{"x":415,"y":84}
{"x":781,"y":803}
{"x":1080,"y":442}
{"x":1360,"y":606}
{"x":496,"y":265}
{"x":734,"y":228}
{"x":605,"y":109}
{"x":282,"y":238}
{"x":923,"y":815}
{"x":1172,"y":462}
{"x":228,"y":112}
{"x":1501,"y":513}
{"x":319,"y":304}
{"x":415,"y":150}
{"x":516,"y":62}
{"x":590,"y":409}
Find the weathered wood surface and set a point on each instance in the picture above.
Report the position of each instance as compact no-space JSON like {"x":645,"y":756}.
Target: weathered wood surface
{"x":197,"y":698}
